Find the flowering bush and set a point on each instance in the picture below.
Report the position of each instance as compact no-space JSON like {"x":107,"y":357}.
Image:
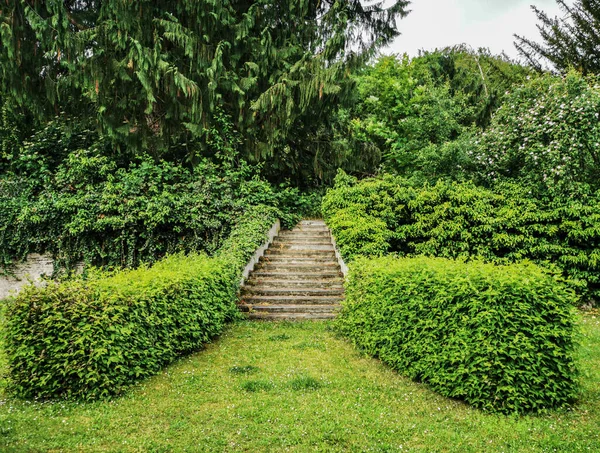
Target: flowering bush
{"x":546,"y":135}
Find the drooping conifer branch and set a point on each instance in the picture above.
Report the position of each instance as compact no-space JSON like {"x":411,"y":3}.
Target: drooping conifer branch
{"x":152,"y":71}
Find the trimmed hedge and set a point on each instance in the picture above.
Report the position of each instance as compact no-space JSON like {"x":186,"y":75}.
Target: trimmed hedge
{"x":247,"y":235}
{"x":500,"y":338}
{"x":93,"y":338}
{"x":359,"y":234}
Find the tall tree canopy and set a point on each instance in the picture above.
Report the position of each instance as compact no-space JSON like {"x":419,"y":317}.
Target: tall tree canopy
{"x":571,"y":41}
{"x":155,"y":73}
{"x":482,"y":77}
{"x":408,"y":110}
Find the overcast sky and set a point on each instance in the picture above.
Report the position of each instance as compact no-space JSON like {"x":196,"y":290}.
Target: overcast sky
{"x":479,"y":23}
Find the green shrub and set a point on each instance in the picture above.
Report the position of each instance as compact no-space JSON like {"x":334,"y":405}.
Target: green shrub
{"x":362,"y":215}
{"x":358,"y":234}
{"x":247,"y":235}
{"x":462,"y":220}
{"x":93,"y":338}
{"x":91,"y":210}
{"x":500,"y":338}
{"x":67,"y":194}
{"x":545,"y":136}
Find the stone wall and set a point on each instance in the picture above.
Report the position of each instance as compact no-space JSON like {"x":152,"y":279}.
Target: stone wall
{"x":35,"y":266}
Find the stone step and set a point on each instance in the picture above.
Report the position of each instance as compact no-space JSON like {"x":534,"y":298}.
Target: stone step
{"x":312,"y":222}
{"x":297,"y":268}
{"x":291,"y":300}
{"x":303,"y":247}
{"x":298,"y":277}
{"x":313,"y":231}
{"x":300,"y":257}
{"x":328,"y":262}
{"x":283,"y":258}
{"x":310,"y":228}
{"x":264,"y":291}
{"x":323,"y":275}
{"x":277,"y":308}
{"x":256,"y":282}
{"x":304,"y":234}
{"x":296,"y":274}
{"x":309,"y":223}
{"x":299,"y":253}
{"x":278,"y":258}
{"x":300,"y":241}
{"x":291,"y":316}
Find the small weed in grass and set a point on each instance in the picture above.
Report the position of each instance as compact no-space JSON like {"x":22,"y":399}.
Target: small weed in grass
{"x":281,"y":337}
{"x":179,"y":425}
{"x":246,"y":369}
{"x":305,"y":383}
{"x":155,"y":448}
{"x":257,"y":386}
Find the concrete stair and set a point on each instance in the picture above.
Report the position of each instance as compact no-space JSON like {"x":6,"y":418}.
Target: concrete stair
{"x":297,"y":278}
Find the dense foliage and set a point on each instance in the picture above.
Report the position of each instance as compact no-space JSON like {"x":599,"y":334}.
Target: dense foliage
{"x":90,"y":338}
{"x":126,"y":132}
{"x":156,"y":74}
{"x":478,"y":76}
{"x":500,"y":338}
{"x":570,"y":41}
{"x":401,"y":115}
{"x":546,"y":137}
{"x":411,"y":111}
{"x":65,"y":192}
{"x":460,"y":220}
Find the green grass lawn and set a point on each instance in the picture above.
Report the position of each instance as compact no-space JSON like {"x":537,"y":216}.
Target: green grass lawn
{"x":295,"y":387}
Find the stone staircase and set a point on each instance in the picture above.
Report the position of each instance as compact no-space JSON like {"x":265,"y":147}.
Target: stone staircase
{"x":298,"y":277}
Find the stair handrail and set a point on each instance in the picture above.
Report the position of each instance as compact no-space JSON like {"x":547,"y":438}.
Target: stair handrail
{"x":338,"y":255}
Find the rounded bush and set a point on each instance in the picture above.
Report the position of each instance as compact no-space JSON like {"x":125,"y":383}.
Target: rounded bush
{"x":86,"y":339}
{"x":358,"y":234}
{"x":500,"y":338}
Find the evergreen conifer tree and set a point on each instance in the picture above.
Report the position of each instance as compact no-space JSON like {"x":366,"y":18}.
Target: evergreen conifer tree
{"x":571,"y":41}
{"x":154,"y":73}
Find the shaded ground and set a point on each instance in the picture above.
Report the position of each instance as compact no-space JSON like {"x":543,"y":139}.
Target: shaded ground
{"x":295,"y":387}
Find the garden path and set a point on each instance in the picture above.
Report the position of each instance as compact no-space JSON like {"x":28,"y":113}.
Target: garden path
{"x":299,"y":277}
